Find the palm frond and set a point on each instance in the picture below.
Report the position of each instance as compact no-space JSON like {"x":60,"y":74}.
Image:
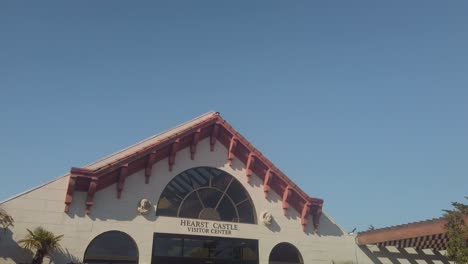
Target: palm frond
{"x":5,"y":219}
{"x":41,"y":239}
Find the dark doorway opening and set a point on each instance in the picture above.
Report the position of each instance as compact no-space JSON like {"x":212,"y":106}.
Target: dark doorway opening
{"x":188,"y":249}
{"x":285,"y":253}
{"x":112,"y":247}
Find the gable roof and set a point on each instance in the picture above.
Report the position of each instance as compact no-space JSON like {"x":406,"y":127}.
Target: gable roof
{"x":116,"y":167}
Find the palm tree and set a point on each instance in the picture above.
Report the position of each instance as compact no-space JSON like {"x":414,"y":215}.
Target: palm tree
{"x":5,"y":219}
{"x":42,"y":241}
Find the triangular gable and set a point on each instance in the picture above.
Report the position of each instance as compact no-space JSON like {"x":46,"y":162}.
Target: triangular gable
{"x":142,"y":156}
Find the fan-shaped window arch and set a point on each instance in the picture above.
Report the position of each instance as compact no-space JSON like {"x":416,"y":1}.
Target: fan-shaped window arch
{"x":112,"y":247}
{"x":285,"y":253}
{"x":209,"y":194}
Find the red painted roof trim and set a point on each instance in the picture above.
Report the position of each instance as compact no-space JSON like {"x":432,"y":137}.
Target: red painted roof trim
{"x":405,"y":231}
{"x":215,"y":127}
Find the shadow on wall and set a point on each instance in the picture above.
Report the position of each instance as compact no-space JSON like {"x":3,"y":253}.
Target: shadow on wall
{"x":327,"y":227}
{"x":380,"y":255}
{"x":64,"y":256}
{"x":274,"y":227}
{"x":119,"y":211}
{"x":11,"y":251}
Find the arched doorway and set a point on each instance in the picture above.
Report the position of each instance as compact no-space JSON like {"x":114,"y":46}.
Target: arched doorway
{"x":111,"y":247}
{"x":285,"y":253}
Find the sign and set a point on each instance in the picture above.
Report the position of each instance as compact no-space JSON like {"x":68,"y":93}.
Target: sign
{"x":206,"y":227}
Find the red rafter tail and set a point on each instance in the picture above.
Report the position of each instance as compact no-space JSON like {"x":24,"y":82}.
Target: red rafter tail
{"x":193,"y":145}
{"x":91,"y":191}
{"x":121,"y":179}
{"x":149,"y":165}
{"x":70,"y":192}
{"x":266,"y":182}
{"x":286,"y":195}
{"x":232,"y":146}
{"x":249,"y":166}
{"x":172,"y":153}
{"x":214,"y":135}
{"x":304,"y":214}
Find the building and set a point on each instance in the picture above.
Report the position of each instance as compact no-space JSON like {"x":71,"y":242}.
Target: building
{"x":198,"y":193}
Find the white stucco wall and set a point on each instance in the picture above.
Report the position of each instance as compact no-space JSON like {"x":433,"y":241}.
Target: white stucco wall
{"x":44,"y":207}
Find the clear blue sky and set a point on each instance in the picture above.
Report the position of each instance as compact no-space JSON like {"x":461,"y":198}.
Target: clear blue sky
{"x":361,"y":103}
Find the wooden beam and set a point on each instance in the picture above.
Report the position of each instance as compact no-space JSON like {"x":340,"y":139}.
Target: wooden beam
{"x":70,"y":192}
{"x":304,"y":214}
{"x":214,"y":135}
{"x":249,"y":166}
{"x":232,"y":146}
{"x":172,"y":153}
{"x":286,"y":195}
{"x":90,"y":196}
{"x":266,"y":182}
{"x":149,"y":165}
{"x":193,"y":145}
{"x":121,"y":179}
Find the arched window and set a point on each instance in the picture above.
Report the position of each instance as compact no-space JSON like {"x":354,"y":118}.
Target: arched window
{"x":285,"y":253}
{"x":209,"y":194}
{"x":111,"y":247}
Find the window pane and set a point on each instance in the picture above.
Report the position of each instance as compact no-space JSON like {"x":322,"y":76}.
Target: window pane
{"x":198,"y":179}
{"x":226,"y":211}
{"x":191,"y":207}
{"x":168,"y":203}
{"x":224,"y":249}
{"x":221,"y":182}
{"x":210,"y":197}
{"x":168,"y":247}
{"x":196,"y":248}
{"x":237,"y":192}
{"x":245,"y":212}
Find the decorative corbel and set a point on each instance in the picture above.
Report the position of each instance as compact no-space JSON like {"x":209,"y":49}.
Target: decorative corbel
{"x":266,"y":182}
{"x":232,"y":146}
{"x":149,"y":165}
{"x":249,"y":166}
{"x":214,"y":134}
{"x":91,"y":191}
{"x":286,"y":195}
{"x":70,"y":192}
{"x":193,"y":145}
{"x":304,"y":214}
{"x":172,"y":153}
{"x":121,"y":179}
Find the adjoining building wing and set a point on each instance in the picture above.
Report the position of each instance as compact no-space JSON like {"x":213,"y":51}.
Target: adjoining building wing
{"x":429,"y":234}
{"x":426,"y":240}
